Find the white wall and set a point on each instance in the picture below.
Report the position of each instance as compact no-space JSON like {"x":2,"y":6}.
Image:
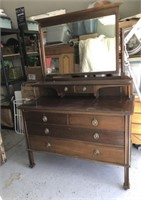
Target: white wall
{"x":35,"y":7}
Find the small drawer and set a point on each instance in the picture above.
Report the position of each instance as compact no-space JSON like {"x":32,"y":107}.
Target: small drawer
{"x":81,"y":134}
{"x":45,"y":117}
{"x":65,"y":89}
{"x":84,"y":89}
{"x":78,"y":149}
{"x":113,"y":123}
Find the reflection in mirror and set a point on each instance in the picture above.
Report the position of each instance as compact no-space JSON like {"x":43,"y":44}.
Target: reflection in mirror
{"x":91,"y":41}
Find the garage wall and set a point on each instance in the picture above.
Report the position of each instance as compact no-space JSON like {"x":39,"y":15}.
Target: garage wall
{"x":35,"y":7}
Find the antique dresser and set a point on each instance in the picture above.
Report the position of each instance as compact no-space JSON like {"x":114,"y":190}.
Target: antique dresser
{"x":82,"y":114}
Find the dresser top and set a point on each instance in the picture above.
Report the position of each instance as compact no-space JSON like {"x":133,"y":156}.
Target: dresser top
{"x":87,"y":104}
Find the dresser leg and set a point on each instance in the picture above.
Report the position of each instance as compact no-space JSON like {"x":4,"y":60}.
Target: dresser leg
{"x":31,"y":159}
{"x":126,"y":184}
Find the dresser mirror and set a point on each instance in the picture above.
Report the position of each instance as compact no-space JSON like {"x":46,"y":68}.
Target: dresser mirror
{"x":90,"y":37}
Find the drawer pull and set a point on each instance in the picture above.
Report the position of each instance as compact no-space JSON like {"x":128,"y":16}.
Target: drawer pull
{"x":46,"y":131}
{"x":94,"y":122}
{"x":48,"y":145}
{"x":96,"y":152}
{"x":84,"y":89}
{"x":66,"y":89}
{"x":96,"y":136}
{"x":44,"y":118}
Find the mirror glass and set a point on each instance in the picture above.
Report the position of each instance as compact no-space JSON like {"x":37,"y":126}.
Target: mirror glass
{"x":87,"y":46}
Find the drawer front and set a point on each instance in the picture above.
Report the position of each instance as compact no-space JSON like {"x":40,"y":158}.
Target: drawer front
{"x":83,"y":134}
{"x":78,"y":149}
{"x":45,"y":117}
{"x":113,"y":123}
{"x":65,"y":89}
{"x":84,"y":89}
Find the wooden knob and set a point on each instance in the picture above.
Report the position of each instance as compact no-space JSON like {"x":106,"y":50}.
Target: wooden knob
{"x":66,"y":89}
{"x":48,"y":145}
{"x":96,"y":152}
{"x":44,"y":118}
{"x":96,"y":136}
{"x":84,"y":89}
{"x":94,"y":122}
{"x":46,"y":131}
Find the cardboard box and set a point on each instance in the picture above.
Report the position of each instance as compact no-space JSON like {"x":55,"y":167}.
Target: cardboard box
{"x":6,"y":118}
{"x":34,"y":74}
{"x":28,"y":91}
{"x":5,"y":22}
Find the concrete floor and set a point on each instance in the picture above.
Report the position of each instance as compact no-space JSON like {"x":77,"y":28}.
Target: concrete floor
{"x":64,"y":178}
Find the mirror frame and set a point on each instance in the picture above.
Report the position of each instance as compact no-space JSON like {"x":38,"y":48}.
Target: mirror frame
{"x":105,"y":10}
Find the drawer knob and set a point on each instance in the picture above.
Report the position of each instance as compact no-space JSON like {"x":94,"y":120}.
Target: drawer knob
{"x":84,"y":89}
{"x":46,"y":131}
{"x":94,"y":122}
{"x":44,"y":118}
{"x":66,"y":89}
{"x":96,"y":136}
{"x":48,"y":145}
{"x":96,"y":152}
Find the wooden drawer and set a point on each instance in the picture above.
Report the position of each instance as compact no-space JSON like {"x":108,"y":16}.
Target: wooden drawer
{"x":45,"y":117}
{"x":84,"y":89}
{"x":113,"y":123}
{"x":78,"y":149}
{"x":65,"y":89}
{"x":83,"y":134}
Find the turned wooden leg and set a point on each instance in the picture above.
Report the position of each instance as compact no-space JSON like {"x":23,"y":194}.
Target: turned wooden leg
{"x":31,"y":158}
{"x":126,"y":184}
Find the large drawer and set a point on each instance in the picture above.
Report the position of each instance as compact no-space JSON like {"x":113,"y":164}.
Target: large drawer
{"x":113,"y":123}
{"x":45,"y":117}
{"x":85,"y":134}
{"x":78,"y":149}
